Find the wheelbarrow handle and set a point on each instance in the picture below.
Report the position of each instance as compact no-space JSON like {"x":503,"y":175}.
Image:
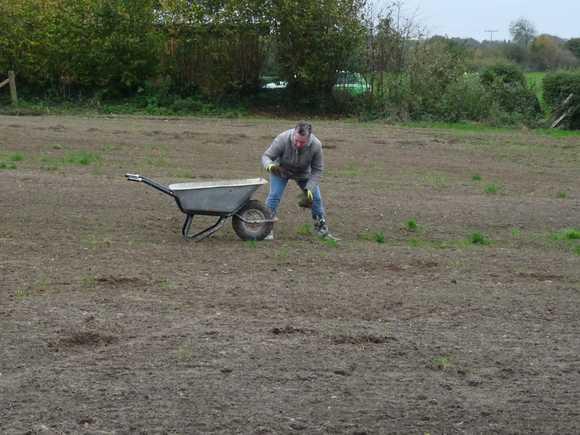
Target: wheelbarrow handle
{"x":150,"y":182}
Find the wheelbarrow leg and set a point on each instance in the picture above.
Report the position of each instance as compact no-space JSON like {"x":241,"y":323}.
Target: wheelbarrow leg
{"x":204,"y":233}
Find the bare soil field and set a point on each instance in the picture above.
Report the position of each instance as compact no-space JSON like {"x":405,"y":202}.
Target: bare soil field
{"x":110,"y":323}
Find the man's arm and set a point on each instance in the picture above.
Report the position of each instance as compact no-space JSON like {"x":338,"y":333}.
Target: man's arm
{"x":274,"y":151}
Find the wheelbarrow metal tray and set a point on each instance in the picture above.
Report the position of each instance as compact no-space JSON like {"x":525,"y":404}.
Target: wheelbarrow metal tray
{"x":215,"y":197}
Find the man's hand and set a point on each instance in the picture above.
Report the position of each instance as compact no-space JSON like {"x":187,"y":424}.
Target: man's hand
{"x":275,"y":169}
{"x":305,"y":199}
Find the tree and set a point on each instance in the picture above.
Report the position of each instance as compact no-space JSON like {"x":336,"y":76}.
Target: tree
{"x":523,"y":32}
{"x":315,"y":40}
{"x":574,"y":46}
{"x":548,"y":54}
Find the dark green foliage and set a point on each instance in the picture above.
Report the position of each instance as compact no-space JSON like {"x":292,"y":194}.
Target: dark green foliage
{"x":503,"y":73}
{"x":508,"y":89}
{"x":574,"y":46}
{"x":557,"y":87}
{"x":313,"y":41}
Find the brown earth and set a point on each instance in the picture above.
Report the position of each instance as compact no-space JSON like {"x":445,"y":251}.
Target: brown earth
{"x":111,"y":323}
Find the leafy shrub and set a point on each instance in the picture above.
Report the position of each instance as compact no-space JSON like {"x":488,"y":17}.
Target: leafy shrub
{"x":503,"y":73}
{"x":466,"y":99}
{"x":557,"y":87}
{"x":513,"y":100}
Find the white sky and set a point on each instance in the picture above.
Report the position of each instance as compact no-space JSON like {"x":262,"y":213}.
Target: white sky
{"x":471,"y":19}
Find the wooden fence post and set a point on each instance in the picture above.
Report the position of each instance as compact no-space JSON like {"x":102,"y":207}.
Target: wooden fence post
{"x":13,"y":94}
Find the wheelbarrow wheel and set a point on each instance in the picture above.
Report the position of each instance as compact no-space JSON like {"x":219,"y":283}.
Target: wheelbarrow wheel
{"x":253,"y":211}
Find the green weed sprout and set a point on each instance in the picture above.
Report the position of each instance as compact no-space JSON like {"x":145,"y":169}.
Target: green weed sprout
{"x":380,"y":237}
{"x":478,"y":239}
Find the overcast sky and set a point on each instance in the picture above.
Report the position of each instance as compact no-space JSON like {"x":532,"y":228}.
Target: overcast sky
{"x":471,"y":19}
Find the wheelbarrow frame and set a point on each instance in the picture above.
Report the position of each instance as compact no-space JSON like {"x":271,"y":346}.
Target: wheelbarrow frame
{"x":231,"y":204}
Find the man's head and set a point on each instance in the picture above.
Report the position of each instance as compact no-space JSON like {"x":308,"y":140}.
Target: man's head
{"x":301,"y":135}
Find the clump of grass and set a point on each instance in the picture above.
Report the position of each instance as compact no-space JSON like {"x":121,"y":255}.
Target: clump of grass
{"x":22,"y":294}
{"x":491,"y":188}
{"x":16,"y":157}
{"x":82,"y":158}
{"x":380,"y":237}
{"x":7,"y":165}
{"x":331,"y":243}
{"x":89,"y":281}
{"x":441,"y":362}
{"x":476,"y":177}
{"x":478,"y":239}
{"x":567,"y":234}
{"x":251,"y":244}
{"x":305,"y":230}
{"x":516,"y":233}
{"x":562,"y":195}
{"x":411,"y":225}
{"x":577,"y":250}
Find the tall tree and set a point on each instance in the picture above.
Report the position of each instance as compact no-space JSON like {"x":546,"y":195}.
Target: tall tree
{"x":523,"y":32}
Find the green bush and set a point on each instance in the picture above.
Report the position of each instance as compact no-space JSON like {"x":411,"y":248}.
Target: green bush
{"x":504,"y":73}
{"x":557,"y":87}
{"x":466,"y":99}
{"x":513,"y":100}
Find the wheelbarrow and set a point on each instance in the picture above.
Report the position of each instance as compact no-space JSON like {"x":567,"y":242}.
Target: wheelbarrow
{"x":251,"y":219}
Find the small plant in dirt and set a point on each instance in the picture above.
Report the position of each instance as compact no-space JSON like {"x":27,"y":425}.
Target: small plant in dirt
{"x":89,"y":282}
{"x":476,"y":177}
{"x":441,"y":362}
{"x":577,"y":250}
{"x":82,"y":158}
{"x":305,"y":230}
{"x":93,"y":242}
{"x":7,"y":165}
{"x":567,"y":234}
{"x":184,"y":352}
{"x":22,"y":294}
{"x":331,"y":243}
{"x":562,"y":195}
{"x":478,"y":238}
{"x":251,"y":244}
{"x":516,"y":233}
{"x":411,"y":225}
{"x":380,"y":237}
{"x":492,"y":188}
{"x":167,"y":284}
{"x":16,"y":157}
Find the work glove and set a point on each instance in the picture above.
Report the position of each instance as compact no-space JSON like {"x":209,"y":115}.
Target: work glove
{"x":306,"y":199}
{"x":275,"y":169}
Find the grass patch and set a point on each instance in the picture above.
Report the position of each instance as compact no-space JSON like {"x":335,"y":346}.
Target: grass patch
{"x":331,"y":243}
{"x":567,"y":234}
{"x":7,"y":165}
{"x":562,"y":195}
{"x":441,"y":362}
{"x":305,"y":230}
{"x":372,"y":236}
{"x":16,"y":157}
{"x":476,"y":177}
{"x":251,"y":244}
{"x":436,"y":181}
{"x":492,"y":189}
{"x":412,"y":226}
{"x":71,"y":158}
{"x":478,"y":239}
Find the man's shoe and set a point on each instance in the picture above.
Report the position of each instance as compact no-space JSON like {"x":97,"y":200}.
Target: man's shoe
{"x":320,"y":228}
{"x":270,"y":236}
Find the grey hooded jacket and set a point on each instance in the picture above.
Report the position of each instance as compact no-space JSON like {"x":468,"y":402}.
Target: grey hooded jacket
{"x":304,"y":164}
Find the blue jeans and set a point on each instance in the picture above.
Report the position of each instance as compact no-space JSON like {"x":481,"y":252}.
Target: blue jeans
{"x":277,"y":187}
